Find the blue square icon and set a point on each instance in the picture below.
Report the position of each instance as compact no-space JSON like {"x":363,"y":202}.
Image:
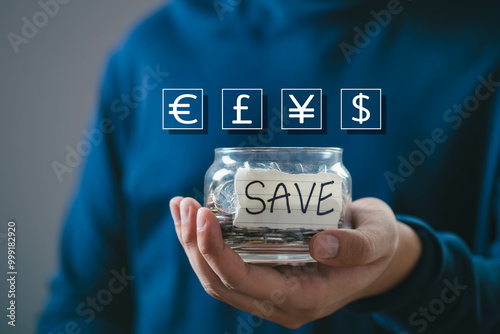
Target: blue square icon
{"x":242,"y":109}
{"x":361,"y":109}
{"x":301,"y":109}
{"x":182,"y":109}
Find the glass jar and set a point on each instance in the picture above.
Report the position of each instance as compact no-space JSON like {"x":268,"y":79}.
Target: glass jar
{"x":271,"y":201}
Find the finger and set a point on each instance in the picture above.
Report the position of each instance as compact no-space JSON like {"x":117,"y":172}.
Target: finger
{"x":176,"y":214}
{"x":210,"y":281}
{"x":188,"y":209}
{"x":260,"y":282}
{"x":374,"y":238}
{"x":174,"y":209}
{"x":184,"y":215}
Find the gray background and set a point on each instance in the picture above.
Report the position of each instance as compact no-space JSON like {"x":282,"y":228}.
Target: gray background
{"x":47,"y":95}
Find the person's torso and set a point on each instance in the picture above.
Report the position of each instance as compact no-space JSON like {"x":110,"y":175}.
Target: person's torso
{"x":429,"y":160}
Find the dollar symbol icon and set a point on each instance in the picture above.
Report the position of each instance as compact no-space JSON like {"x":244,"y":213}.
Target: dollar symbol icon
{"x":357,"y":102}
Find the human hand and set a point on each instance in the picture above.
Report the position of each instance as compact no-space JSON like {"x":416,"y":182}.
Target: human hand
{"x":373,"y":257}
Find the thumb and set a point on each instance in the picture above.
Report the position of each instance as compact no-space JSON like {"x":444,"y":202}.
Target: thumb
{"x":374,"y":238}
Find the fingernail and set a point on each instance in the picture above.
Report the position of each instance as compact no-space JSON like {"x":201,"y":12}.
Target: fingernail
{"x":184,"y":212}
{"x":200,"y":220}
{"x":326,"y":246}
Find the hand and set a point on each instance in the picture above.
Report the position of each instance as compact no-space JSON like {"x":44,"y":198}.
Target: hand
{"x":352,"y":263}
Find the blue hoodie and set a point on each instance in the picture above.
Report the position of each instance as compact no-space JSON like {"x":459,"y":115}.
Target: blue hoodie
{"x":436,"y":162}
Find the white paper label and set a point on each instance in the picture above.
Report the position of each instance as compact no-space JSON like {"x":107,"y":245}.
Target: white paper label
{"x":270,"y":198}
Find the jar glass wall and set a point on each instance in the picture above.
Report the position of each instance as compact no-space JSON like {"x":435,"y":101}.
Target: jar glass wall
{"x":271,"y":201}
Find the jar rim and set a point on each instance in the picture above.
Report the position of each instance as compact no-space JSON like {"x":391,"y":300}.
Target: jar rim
{"x":274,"y":148}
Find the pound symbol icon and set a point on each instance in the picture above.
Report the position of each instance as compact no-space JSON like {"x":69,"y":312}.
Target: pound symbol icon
{"x":238,"y":107}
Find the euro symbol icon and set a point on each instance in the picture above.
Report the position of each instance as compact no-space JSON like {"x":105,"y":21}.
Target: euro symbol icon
{"x":362,"y":110}
{"x":177,"y":112}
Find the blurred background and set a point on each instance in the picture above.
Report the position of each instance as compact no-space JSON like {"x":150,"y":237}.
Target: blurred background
{"x":49,"y":84}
